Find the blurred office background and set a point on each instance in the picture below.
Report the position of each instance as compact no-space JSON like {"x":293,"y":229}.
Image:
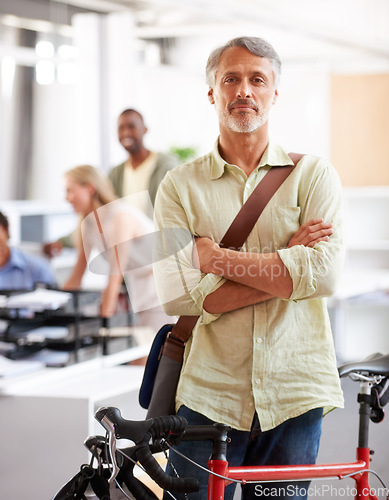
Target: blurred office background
{"x":69,"y":67}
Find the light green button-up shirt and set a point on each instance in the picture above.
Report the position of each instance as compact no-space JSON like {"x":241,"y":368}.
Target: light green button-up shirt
{"x":276,"y":357}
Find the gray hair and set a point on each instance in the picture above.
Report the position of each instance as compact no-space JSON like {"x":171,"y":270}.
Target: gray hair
{"x":257,"y":46}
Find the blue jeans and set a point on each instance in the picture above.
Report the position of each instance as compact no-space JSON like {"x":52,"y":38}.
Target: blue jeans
{"x":295,"y":441}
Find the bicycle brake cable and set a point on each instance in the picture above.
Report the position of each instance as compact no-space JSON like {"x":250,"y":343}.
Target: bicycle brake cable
{"x":239,"y":481}
{"x":137,"y":464}
{"x":370,"y":471}
{"x":173,"y":469}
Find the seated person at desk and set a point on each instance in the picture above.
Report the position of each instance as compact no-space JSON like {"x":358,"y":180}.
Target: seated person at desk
{"x":18,"y":270}
{"x":110,"y":226}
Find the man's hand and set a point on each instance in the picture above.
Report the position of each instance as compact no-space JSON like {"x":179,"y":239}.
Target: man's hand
{"x":204,"y":253}
{"x":311,"y":233}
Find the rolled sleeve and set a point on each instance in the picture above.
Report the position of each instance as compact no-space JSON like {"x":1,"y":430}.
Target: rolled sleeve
{"x":314,"y":271}
{"x":297,"y":262}
{"x":208,"y":284}
{"x":182,"y":289}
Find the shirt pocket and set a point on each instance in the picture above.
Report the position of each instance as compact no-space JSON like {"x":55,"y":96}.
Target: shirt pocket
{"x":285,"y":221}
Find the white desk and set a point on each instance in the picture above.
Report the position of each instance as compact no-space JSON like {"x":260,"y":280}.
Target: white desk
{"x":47,"y":415}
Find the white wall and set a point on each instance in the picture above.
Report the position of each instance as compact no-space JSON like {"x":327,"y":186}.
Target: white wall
{"x":176,"y":107}
{"x":67,"y":119}
{"x":56,"y":147}
{"x":7,"y":114}
{"x":300,"y":120}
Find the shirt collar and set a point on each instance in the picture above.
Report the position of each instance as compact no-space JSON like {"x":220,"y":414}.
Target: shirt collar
{"x":272,"y":156}
{"x":218,"y":164}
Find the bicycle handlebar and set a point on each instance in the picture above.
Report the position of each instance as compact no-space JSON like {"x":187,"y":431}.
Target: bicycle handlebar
{"x":141,"y":433}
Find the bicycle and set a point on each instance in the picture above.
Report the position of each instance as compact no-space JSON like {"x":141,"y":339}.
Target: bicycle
{"x":159,"y":434}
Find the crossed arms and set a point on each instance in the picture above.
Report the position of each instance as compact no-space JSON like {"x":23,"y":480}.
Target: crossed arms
{"x":252,"y":277}
{"x":303,"y":262}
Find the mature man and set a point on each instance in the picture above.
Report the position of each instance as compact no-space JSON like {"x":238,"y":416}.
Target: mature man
{"x":144,"y":169}
{"x":20,"y":271}
{"x":260,"y":357}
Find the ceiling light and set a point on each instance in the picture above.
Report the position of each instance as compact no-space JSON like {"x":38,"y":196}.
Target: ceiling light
{"x":44,"y":49}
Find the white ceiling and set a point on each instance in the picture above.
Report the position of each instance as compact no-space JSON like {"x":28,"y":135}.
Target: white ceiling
{"x":340,"y":32}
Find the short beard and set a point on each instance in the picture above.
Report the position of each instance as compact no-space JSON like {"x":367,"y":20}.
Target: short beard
{"x":245,"y":122}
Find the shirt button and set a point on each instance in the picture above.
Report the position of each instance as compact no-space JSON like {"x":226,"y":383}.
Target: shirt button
{"x":258,"y":381}
{"x":259,"y":340}
{"x":251,"y":404}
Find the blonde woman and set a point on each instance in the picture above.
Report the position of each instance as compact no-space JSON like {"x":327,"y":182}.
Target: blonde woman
{"x":110,"y":227}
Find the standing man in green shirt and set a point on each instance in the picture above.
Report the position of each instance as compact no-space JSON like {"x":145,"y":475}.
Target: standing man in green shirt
{"x":144,"y":169}
{"x":261,"y":356}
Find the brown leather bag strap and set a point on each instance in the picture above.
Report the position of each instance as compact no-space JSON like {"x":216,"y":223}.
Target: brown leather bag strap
{"x":295,"y":157}
{"x":248,"y":215}
{"x":242,"y":226}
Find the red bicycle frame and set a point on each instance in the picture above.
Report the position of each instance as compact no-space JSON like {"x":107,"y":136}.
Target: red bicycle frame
{"x":217,"y":484}
{"x":262,"y":474}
